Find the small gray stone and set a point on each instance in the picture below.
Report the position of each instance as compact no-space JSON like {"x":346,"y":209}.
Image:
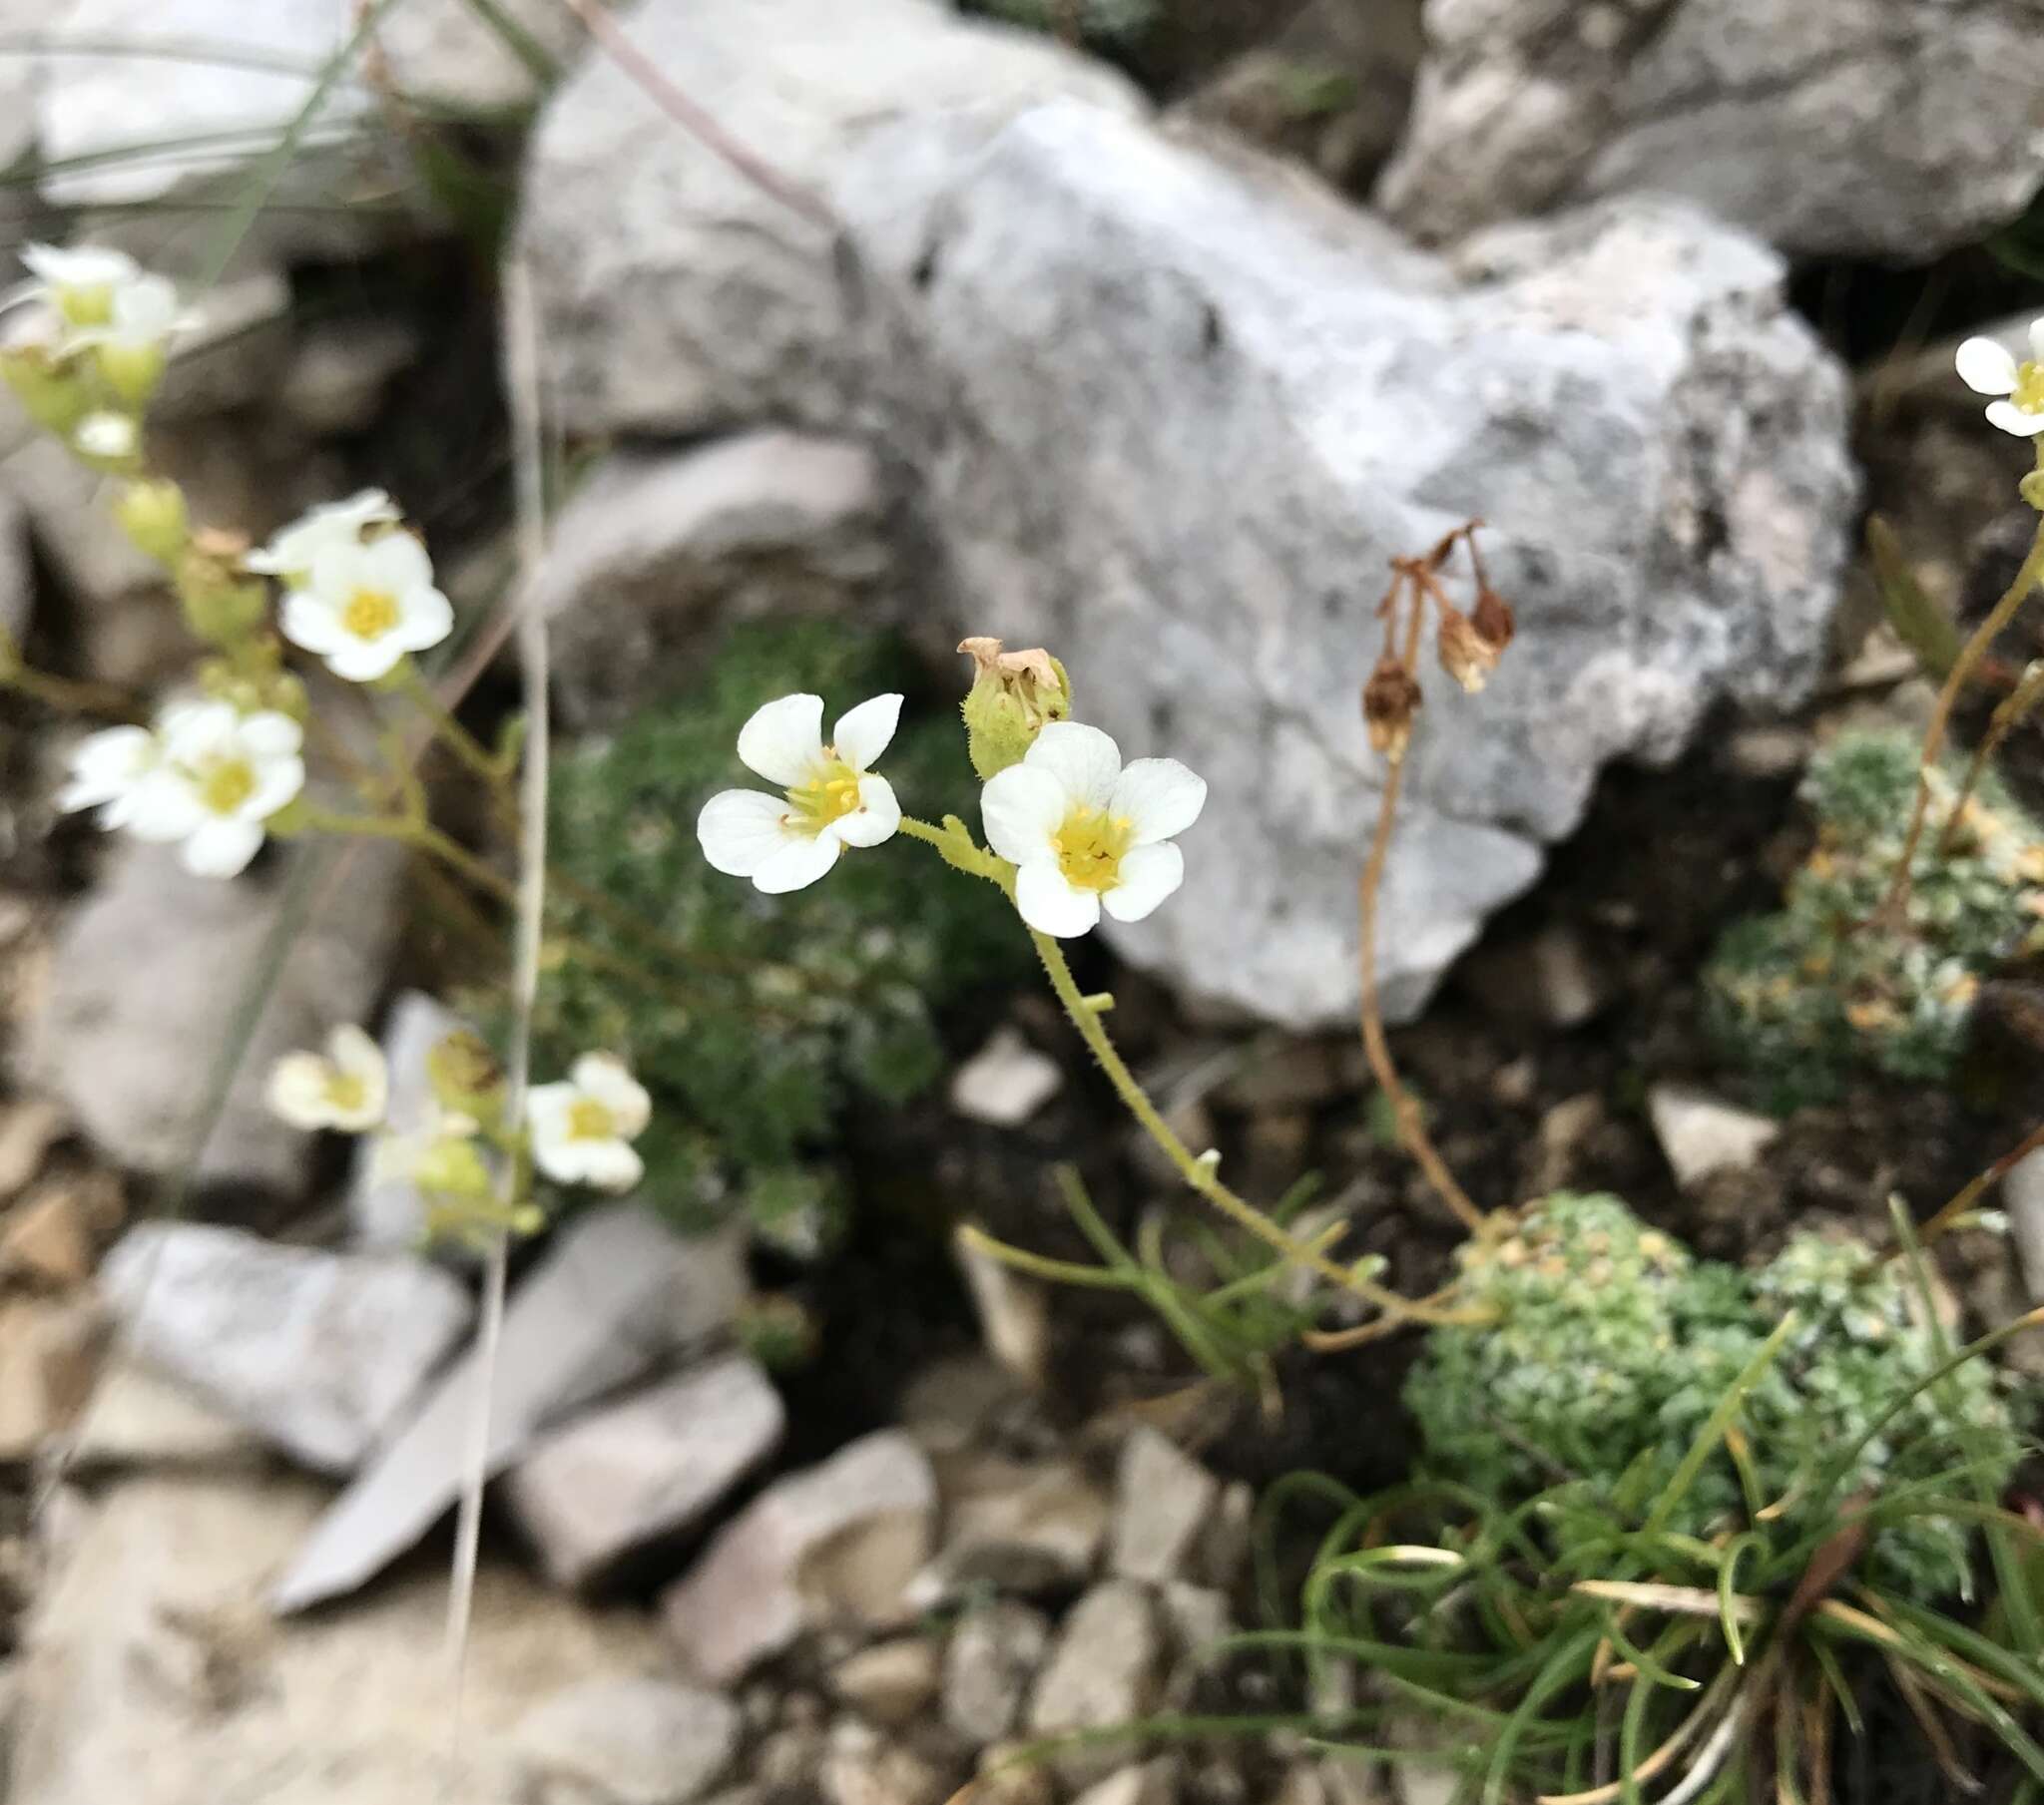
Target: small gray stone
{"x":836,"y":1542}
{"x":137,"y":1418}
{"x":618,"y":1293}
{"x":319,"y":1352}
{"x":149,"y":979}
{"x":625,"y":1742}
{"x":890,"y":1683}
{"x":1700,"y":1134}
{"x":1006,"y":1082}
{"x":645,"y":1470}
{"x":1198,"y":1617}
{"x":1018,"y":1526}
{"x":860,"y":1768}
{"x":992,"y":1656}
{"x":654,"y":553}
{"x":1550,"y":978}
{"x":1153,"y":1783}
{"x":1163,"y":1498}
{"x":1103,"y":1672}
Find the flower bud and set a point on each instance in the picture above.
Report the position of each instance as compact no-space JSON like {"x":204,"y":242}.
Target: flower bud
{"x":1014,"y":696}
{"x":132,"y":369}
{"x":1493,"y":620}
{"x":151,"y":513}
{"x":106,"y":441}
{"x":1390,"y":700}
{"x":220,"y":605}
{"x":1466,"y":655}
{"x":2031,"y":489}
{"x":465,"y":1076}
{"x":452,"y":1166}
{"x":52,"y":393}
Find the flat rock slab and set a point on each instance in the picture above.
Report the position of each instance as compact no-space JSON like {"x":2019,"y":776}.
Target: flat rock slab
{"x":617,"y":1294}
{"x":838,"y":1541}
{"x":627,"y":1742}
{"x":645,"y":1470}
{"x":319,"y":1353}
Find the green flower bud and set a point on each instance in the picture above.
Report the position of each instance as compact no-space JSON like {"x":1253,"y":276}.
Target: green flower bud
{"x":52,"y":393}
{"x":453,"y":1167}
{"x":134,"y":370}
{"x":151,"y":514}
{"x":1014,"y":696}
{"x":465,"y":1077}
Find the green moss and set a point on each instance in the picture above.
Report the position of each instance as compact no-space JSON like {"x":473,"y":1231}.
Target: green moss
{"x":772,"y":1017}
{"x":1611,"y":1347}
{"x":1805,"y":997}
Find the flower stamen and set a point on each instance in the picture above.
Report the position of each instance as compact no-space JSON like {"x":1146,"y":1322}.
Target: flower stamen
{"x":369,"y":613}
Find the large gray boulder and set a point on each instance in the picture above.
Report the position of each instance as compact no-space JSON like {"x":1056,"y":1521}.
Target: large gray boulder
{"x":1854,"y":128}
{"x":1171,"y":412}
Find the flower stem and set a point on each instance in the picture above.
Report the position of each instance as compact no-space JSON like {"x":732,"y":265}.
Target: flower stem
{"x":1889,"y":913}
{"x":954,"y":841}
{"x":457,"y":739}
{"x":69,"y":698}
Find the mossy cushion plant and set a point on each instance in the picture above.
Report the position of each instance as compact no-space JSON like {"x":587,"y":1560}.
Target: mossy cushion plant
{"x":1803,"y":997}
{"x":756,"y":1021}
{"x":1612,"y":1346}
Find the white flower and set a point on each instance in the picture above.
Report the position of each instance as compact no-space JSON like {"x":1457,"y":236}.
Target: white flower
{"x":108,"y":770}
{"x":291,"y":553}
{"x":346,"y":1087}
{"x":222,"y":775}
{"x":1084,"y":834}
{"x":1988,"y":369}
{"x":831,"y":798}
{"x":107,"y":435}
{"x":82,"y":284}
{"x":581,"y":1128}
{"x":363,"y":607}
{"x":439,"y":1155}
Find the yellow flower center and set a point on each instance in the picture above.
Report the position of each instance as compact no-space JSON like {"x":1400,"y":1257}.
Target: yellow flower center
{"x":2029,"y":389}
{"x":225,"y":786}
{"x":831,"y":795}
{"x":346,"y":1090}
{"x":589,"y":1119}
{"x":1090,"y":845}
{"x":369,"y":613}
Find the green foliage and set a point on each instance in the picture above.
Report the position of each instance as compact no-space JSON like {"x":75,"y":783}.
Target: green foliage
{"x":1804,"y":997}
{"x":763,"y":1018}
{"x":1612,"y":1347}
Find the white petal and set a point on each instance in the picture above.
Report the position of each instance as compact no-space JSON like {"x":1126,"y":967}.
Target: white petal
{"x":2011,"y":418}
{"x":1148,"y":875}
{"x":163,"y":806}
{"x":356,"y":1053}
{"x":546,"y":1112}
{"x":610,"y":1166}
{"x":105,"y":764}
{"x":863,"y":734}
{"x":427,"y":619}
{"x":1985,"y":367}
{"x":193,"y":729}
{"x":270,"y":733}
{"x":1052,"y":905}
{"x":875,"y":818}
{"x":562,"y":1159}
{"x":365,"y":660}
{"x":796,"y":865}
{"x":741,"y":830}
{"x":297,"y":1090}
{"x":1161,"y":797}
{"x":783,"y":741}
{"x":309,"y":620}
{"x":398,"y":562}
{"x":1021,"y":808}
{"x":338,"y":569}
{"x":220,"y":849}
{"x":606,"y":1079}
{"x":146,"y":308}
{"x":277,"y":780}
{"x":1084,"y":759}
{"x":2037,"y":339}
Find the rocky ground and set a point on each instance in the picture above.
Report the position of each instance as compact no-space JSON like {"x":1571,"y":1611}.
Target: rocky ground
{"x":1152,"y":351}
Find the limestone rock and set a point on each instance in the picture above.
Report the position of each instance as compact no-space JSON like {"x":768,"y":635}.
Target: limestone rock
{"x":154,"y":1672}
{"x":993,"y":1654}
{"x":625,"y":1742}
{"x":1018,"y":1526}
{"x":147,"y":985}
{"x":137,"y":1417}
{"x":617,"y":1293}
{"x":1832,"y":128}
{"x":1163,"y":1498}
{"x":1701,"y":1135}
{"x":656,"y":551}
{"x":890,"y":1683}
{"x":1006,"y":1082}
{"x":692,"y":292}
{"x":645,"y":1470}
{"x":838,"y":1541}
{"x":1102,"y":1671}
{"x":320,"y":1353}
{"x":1220,"y":399}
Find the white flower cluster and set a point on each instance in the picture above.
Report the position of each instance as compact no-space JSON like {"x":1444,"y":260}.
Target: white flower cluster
{"x":582,"y":1129}
{"x":102,"y":302}
{"x":206,"y":775}
{"x":1082,"y":832}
